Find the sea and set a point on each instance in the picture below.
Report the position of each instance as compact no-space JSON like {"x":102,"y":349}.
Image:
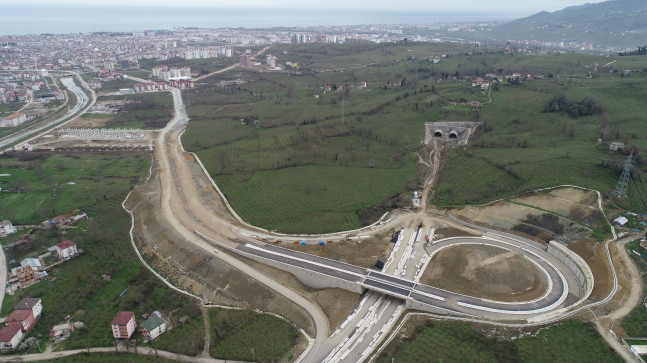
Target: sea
{"x":17,"y":20}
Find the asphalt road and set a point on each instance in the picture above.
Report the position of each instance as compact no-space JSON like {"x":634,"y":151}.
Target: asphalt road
{"x":83,"y":101}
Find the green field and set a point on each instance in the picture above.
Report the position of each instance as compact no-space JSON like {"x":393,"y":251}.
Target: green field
{"x":42,"y":186}
{"x":77,"y":288}
{"x":448,"y":341}
{"x":635,"y":324}
{"x":114,"y":85}
{"x":151,"y":110}
{"x":7,"y":109}
{"x":112,"y":358}
{"x":268,"y":138}
{"x":248,"y":336}
{"x":203,"y":66}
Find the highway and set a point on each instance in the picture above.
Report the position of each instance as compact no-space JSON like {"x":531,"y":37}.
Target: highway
{"x":83,"y":102}
{"x":407,"y":289}
{"x":387,"y":295}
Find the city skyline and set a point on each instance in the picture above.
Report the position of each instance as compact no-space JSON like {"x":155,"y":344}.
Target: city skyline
{"x":458,"y":6}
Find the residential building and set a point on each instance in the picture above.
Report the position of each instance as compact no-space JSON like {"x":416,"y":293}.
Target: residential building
{"x":185,"y":71}
{"x":245,"y":60}
{"x":123,"y":325}
{"x":17,"y":118}
{"x":33,"y":304}
{"x":23,"y":319}
{"x":616,"y":146}
{"x":6,"y":228}
{"x":154,"y":326}
{"x":35,"y":263}
{"x":25,"y":275}
{"x":66,"y":249}
{"x":620,"y":221}
{"x":10,"y":337}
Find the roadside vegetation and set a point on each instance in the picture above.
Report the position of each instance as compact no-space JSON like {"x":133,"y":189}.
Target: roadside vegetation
{"x":244,"y":335}
{"x":151,"y":110}
{"x":112,"y":358}
{"x":434,"y":341}
{"x":635,"y":324}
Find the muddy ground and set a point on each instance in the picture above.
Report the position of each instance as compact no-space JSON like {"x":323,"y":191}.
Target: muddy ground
{"x":487,"y":272}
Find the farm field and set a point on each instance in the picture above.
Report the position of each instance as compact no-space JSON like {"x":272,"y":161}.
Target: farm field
{"x":244,"y":335}
{"x":41,"y":186}
{"x":289,"y":139}
{"x":570,"y":341}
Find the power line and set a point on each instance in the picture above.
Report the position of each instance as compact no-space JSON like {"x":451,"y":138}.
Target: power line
{"x":621,"y":187}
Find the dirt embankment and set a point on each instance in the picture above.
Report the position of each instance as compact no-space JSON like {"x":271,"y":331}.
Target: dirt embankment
{"x":487,"y":272}
{"x":192,"y":269}
{"x":554,"y":215}
{"x":359,"y":252}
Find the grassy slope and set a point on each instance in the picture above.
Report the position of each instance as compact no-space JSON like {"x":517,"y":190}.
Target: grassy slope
{"x":499,"y":163}
{"x":77,"y":289}
{"x":571,"y":341}
{"x":236,"y":332}
{"x":522,"y":149}
{"x":635,"y":324}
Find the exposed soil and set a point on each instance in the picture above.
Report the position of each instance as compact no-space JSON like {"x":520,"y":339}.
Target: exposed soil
{"x":576,"y":204}
{"x":595,"y":255}
{"x":359,"y":252}
{"x":88,"y":122}
{"x":337,"y":304}
{"x":192,"y":269}
{"x":446,"y":232}
{"x":485,"y":271}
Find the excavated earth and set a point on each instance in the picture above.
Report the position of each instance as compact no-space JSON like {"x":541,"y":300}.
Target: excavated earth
{"x":485,"y":271}
{"x":217,"y":283}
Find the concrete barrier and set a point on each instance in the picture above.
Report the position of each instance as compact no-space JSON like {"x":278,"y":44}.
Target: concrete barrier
{"x":576,"y":264}
{"x":310,"y":278}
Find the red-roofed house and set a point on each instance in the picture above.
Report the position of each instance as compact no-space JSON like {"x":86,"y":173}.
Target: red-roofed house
{"x":10,"y":337}
{"x":23,"y":319}
{"x":123,"y":325}
{"x":33,"y":304}
{"x":14,"y":119}
{"x":66,"y":249}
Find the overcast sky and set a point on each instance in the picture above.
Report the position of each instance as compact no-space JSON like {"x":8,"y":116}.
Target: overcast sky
{"x":455,"y":6}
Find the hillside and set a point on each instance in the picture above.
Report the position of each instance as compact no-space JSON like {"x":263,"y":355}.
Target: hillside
{"x":615,"y":24}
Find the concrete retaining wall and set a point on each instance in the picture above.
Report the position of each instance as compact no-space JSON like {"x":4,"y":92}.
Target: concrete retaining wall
{"x":414,"y":305}
{"x":310,"y":278}
{"x":576,"y":264}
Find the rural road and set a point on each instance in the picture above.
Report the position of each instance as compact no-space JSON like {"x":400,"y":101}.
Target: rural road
{"x":260,"y":52}
{"x":145,"y":351}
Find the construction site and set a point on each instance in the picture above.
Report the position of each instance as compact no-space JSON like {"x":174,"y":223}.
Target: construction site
{"x":103,"y":140}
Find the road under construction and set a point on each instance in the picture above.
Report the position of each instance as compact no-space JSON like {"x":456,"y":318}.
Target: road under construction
{"x":386,"y":293}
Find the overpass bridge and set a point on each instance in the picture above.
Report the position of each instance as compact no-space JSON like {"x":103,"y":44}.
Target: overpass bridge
{"x":319,"y":272}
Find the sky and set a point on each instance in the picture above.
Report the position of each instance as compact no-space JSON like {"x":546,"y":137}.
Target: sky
{"x":456,"y":6}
